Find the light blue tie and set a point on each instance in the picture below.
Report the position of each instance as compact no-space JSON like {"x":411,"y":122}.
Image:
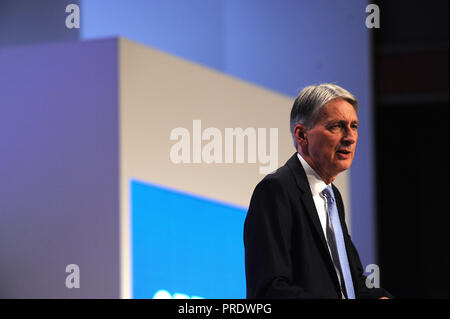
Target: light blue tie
{"x":346,"y":276}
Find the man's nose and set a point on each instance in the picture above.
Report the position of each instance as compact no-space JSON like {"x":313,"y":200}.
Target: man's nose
{"x":350,"y":136}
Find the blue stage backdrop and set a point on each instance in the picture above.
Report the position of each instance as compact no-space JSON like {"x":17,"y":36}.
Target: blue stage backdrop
{"x":184,"y":245}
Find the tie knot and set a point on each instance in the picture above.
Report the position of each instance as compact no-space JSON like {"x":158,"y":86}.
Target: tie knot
{"x":328,"y":193}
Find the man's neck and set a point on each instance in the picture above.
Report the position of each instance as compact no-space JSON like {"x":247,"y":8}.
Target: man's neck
{"x":327,"y":179}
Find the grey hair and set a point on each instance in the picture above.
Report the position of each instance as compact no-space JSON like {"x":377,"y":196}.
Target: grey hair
{"x":311,"y":99}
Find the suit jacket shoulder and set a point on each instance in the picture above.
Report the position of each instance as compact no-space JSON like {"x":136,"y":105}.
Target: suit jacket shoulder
{"x":286,"y":254}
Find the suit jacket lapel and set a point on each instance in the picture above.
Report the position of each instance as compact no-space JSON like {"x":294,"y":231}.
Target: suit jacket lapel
{"x":307,"y":200}
{"x":341,"y":210}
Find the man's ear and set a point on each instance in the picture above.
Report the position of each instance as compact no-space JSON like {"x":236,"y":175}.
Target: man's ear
{"x":301,"y":135}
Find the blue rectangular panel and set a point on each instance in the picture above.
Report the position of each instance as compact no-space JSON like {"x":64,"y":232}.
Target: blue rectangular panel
{"x":183,"y":244}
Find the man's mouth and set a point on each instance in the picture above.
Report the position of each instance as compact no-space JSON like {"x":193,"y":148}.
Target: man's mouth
{"x":343,"y":154}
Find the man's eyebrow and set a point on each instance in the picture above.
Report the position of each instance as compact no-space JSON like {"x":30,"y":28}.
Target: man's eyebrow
{"x":334,"y":121}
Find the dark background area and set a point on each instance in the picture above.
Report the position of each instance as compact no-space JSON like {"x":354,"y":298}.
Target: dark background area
{"x":410,"y":64}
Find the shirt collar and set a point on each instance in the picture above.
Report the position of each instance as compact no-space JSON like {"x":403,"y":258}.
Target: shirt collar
{"x":316,"y":183}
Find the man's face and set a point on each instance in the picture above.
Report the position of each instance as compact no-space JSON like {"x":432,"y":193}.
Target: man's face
{"x":332,"y":140}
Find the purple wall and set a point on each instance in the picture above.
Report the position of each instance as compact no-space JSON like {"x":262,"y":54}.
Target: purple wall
{"x":59,"y":201}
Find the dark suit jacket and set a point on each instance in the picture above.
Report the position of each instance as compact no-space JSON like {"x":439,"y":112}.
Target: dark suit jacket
{"x":286,"y":254}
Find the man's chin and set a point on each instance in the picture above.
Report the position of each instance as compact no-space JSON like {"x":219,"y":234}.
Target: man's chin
{"x":343,"y":165}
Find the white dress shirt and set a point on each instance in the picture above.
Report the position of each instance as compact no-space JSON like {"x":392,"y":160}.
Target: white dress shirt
{"x":317,"y":185}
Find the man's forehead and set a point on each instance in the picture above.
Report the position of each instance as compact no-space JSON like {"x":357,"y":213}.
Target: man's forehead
{"x":338,"y":110}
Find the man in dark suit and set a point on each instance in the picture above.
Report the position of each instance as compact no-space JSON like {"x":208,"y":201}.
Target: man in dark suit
{"x":296,"y":241}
